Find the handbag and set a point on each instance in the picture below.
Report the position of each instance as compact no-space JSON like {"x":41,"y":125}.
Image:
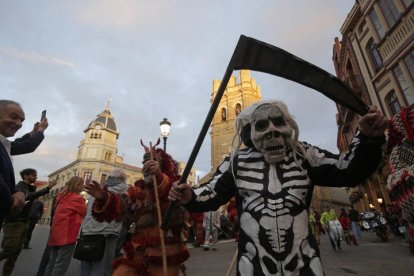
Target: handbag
{"x":90,"y":248}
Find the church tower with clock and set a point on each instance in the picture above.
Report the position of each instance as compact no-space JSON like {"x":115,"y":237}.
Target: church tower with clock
{"x":100,"y":140}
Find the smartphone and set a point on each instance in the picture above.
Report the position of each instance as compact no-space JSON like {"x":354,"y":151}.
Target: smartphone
{"x":43,"y":115}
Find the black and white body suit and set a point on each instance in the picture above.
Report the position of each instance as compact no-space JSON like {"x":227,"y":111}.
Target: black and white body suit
{"x":273,"y":202}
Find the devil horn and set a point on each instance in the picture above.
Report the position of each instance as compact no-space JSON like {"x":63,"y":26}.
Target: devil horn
{"x":158,"y":142}
{"x":145,"y":147}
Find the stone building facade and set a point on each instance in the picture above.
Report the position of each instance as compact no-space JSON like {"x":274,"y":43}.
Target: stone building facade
{"x":240,"y":93}
{"x":96,"y":158}
{"x":376,"y":59}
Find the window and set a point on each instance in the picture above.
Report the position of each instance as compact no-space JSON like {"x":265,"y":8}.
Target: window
{"x":107,"y":156}
{"x":377,"y":25}
{"x":87,"y":176}
{"x":405,"y":88}
{"x":361,"y":27}
{"x":103,"y":177}
{"x":238,"y":109}
{"x":390,"y":11}
{"x":223,"y":114}
{"x":409,"y":61}
{"x":96,"y":135}
{"x":393,"y":103}
{"x":375,"y":55}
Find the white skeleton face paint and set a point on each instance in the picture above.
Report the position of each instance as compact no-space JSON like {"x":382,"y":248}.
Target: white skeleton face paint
{"x":270,"y":133}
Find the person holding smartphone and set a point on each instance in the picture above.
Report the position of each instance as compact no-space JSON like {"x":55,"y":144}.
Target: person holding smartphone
{"x":11,"y":120}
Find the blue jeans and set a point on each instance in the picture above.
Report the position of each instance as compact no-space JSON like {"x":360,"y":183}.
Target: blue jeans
{"x":60,"y":257}
{"x":356,"y":229}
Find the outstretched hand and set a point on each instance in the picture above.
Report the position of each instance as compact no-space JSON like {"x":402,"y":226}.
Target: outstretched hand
{"x":373,"y":124}
{"x":180,"y":192}
{"x":94,"y":189}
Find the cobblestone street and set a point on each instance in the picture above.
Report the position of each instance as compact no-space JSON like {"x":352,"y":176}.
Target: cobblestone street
{"x":370,"y":258}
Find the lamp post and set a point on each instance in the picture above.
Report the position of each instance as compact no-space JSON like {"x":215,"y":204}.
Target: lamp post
{"x":165,"y":126}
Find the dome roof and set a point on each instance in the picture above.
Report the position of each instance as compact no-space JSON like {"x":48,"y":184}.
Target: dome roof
{"x":106,"y":120}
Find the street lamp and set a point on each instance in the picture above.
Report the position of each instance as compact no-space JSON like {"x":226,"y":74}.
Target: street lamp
{"x":165,"y":126}
{"x":379,"y":200}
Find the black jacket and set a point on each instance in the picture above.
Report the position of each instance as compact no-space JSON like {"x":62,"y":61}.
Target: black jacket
{"x":25,"y":144}
{"x":31,"y":194}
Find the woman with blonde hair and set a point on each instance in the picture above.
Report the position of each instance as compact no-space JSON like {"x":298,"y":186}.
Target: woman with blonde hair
{"x":70,"y":209}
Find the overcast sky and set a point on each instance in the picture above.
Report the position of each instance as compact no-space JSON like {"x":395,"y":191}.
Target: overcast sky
{"x":155,"y":59}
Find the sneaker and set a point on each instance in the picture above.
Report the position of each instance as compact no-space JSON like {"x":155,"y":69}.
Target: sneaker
{"x":27,"y":247}
{"x":206,"y":249}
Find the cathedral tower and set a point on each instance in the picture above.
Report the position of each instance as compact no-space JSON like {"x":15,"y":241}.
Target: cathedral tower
{"x":240,"y":93}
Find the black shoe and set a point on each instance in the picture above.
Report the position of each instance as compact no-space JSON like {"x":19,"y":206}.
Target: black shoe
{"x":206,"y":248}
{"x":26,"y":247}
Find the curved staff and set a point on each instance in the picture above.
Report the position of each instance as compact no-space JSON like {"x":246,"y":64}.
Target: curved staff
{"x":256,"y":55}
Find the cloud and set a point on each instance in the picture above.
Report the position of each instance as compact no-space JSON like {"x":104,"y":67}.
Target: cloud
{"x":156,"y":59}
{"x":33,"y":57}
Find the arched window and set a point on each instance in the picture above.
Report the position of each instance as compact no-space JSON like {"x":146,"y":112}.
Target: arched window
{"x":393,"y":103}
{"x":223,"y":114}
{"x":238,"y":109}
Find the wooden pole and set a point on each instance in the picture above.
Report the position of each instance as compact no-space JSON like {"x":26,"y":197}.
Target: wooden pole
{"x":157,"y":201}
{"x":233,"y":262}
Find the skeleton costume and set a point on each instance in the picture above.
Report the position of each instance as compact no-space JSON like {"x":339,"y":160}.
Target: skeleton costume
{"x":273,"y":179}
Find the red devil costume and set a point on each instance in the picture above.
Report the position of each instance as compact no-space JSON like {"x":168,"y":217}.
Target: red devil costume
{"x":143,"y":252}
{"x":401,"y":179}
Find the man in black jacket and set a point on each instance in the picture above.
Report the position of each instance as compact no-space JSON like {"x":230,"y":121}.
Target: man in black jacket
{"x":36,"y":212}
{"x":16,"y":225}
{"x":354,"y":217}
{"x":11,"y":120}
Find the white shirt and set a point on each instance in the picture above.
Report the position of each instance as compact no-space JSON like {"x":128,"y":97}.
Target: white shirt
{"x":6,"y":143}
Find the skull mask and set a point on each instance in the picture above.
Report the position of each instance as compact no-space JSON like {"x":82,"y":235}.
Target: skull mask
{"x":270,"y":132}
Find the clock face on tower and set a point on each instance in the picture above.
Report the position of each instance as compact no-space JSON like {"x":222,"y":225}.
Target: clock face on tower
{"x":98,"y":127}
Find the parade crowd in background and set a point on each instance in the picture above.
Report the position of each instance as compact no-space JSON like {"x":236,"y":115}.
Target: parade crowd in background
{"x":123,"y":221}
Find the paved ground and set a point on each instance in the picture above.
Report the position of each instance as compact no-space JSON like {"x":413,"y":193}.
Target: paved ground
{"x":371,"y":258}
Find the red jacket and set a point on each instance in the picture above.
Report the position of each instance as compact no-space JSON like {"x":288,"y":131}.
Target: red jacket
{"x":344,"y":222}
{"x":69,"y":213}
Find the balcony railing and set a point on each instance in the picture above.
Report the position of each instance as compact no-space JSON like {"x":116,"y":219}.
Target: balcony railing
{"x":398,"y":36}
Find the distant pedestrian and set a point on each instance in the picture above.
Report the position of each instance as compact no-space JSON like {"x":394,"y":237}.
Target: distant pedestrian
{"x":197,"y":225}
{"x":36,"y":212}
{"x":354,"y":217}
{"x":328,"y":220}
{"x":16,"y":225}
{"x":70,"y":209}
{"x":110,"y":230}
{"x":315,"y":223}
{"x":346,"y":226}
{"x":211,"y":224}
